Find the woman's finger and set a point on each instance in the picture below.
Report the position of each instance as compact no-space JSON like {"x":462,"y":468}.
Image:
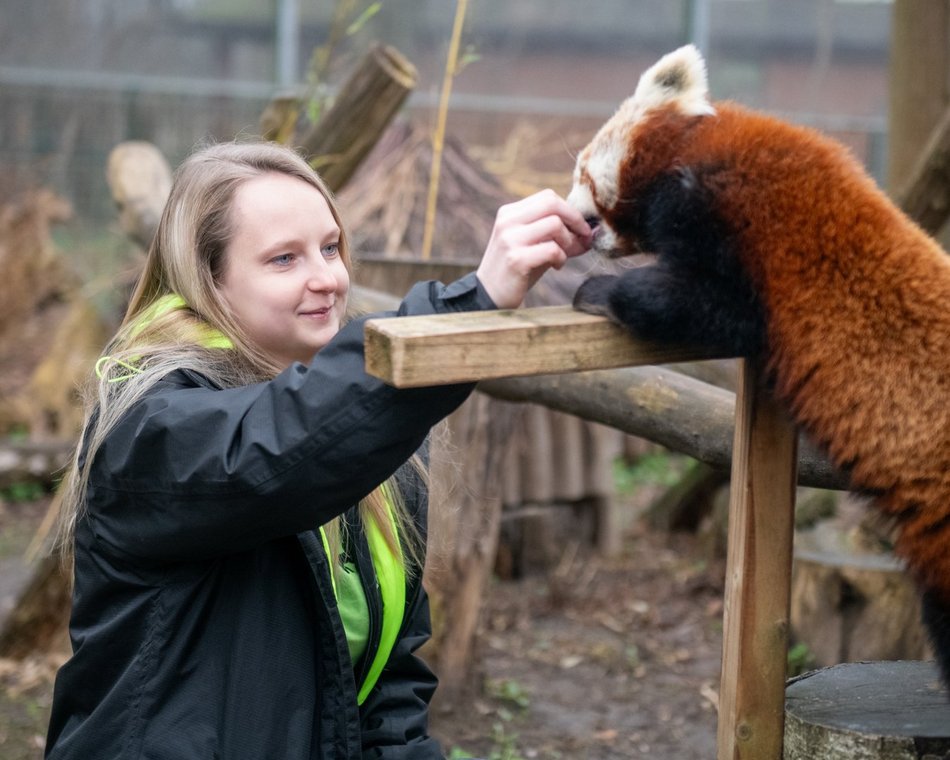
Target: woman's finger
{"x":529,"y":237}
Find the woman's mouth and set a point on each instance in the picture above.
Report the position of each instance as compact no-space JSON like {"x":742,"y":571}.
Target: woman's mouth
{"x":320,"y":313}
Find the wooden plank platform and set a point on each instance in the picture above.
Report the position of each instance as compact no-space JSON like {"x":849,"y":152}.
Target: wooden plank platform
{"x":409,"y":352}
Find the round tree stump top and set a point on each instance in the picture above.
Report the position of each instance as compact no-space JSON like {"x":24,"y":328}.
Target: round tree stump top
{"x":900,"y":698}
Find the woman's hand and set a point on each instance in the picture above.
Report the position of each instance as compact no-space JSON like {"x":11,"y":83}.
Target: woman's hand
{"x":529,"y":237}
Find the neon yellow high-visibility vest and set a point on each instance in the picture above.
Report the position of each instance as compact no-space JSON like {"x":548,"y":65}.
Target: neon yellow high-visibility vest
{"x":392,"y":587}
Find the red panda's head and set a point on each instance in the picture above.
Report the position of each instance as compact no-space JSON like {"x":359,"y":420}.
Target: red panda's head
{"x":618,"y":159}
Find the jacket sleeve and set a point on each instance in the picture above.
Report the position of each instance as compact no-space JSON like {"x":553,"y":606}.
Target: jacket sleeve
{"x":394,"y":718}
{"x":193,"y":472}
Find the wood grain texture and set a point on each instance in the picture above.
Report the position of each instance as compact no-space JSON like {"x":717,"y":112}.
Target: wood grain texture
{"x":758,"y":568}
{"x":441,"y":349}
{"x":874,"y":710}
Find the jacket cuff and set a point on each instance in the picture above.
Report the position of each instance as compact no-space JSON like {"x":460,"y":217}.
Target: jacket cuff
{"x":465,"y":294}
{"x":468,"y":290}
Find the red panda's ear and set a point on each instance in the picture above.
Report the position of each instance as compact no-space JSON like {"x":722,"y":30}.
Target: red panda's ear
{"x":678,"y":78}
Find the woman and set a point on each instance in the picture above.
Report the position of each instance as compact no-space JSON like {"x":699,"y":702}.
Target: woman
{"x":247,"y":537}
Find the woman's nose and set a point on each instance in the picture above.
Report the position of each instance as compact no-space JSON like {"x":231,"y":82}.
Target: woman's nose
{"x":320,"y":276}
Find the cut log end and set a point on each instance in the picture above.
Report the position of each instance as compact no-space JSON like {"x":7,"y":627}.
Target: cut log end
{"x":895,"y":710}
{"x":396,"y":65}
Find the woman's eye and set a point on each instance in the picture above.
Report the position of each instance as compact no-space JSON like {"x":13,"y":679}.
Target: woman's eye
{"x":283,"y":259}
{"x":329,"y":251}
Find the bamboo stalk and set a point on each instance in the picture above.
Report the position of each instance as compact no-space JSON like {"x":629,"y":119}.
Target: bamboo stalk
{"x":438,"y":137}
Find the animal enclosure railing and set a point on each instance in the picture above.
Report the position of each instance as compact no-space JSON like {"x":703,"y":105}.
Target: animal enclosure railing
{"x":467,"y":347}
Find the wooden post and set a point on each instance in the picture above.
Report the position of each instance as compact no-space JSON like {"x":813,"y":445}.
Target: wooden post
{"x":758,"y":572}
{"x":920,"y":94}
{"x":366,"y":104}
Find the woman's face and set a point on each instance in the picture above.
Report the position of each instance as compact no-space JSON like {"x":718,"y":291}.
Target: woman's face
{"x":284,"y":278}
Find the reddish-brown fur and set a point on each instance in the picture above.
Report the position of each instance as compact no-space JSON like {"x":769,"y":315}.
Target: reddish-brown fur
{"x":857,"y":302}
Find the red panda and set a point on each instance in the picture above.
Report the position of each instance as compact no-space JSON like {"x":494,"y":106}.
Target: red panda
{"x":771,"y":239}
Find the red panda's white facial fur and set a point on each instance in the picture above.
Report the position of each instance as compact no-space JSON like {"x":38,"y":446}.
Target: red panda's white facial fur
{"x":678,"y":79}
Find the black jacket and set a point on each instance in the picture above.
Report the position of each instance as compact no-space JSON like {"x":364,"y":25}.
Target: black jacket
{"x":204,"y":624}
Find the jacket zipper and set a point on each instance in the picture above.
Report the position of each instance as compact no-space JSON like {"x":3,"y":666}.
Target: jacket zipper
{"x":374,"y":603}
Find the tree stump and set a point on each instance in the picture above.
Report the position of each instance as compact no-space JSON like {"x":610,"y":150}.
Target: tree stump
{"x":868,"y":711}
{"x":848,"y":607}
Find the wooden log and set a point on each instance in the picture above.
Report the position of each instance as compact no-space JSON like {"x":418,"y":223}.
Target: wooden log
{"x":567,"y":467}
{"x":536,"y":484}
{"x":660,"y":405}
{"x":848,"y":607}
{"x":868,"y":710}
{"x":365,"y":105}
{"x":279,"y":118}
{"x":451,"y":348}
{"x":919,"y":95}
{"x":53,"y":392}
{"x":758,"y":563}
{"x":612,"y":517}
{"x":139,"y":179}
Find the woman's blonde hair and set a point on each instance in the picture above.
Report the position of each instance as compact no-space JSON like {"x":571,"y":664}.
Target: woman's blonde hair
{"x":187,"y":258}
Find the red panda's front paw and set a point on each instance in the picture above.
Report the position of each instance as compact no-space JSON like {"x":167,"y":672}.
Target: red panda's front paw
{"x":593,"y":295}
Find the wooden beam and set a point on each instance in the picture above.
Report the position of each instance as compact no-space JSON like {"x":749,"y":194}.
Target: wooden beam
{"x":409,"y":352}
{"x":758,"y":572}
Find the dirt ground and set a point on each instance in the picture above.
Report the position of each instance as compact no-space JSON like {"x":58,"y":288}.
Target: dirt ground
{"x":609,"y":659}
{"x":601,"y":659}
